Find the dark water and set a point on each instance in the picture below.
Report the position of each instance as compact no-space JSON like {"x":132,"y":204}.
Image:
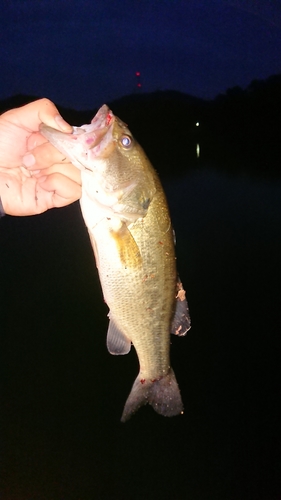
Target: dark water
{"x":62,"y":394}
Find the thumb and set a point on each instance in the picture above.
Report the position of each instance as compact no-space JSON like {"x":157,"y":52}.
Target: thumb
{"x":49,"y":115}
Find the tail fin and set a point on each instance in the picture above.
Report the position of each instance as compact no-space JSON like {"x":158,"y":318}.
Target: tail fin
{"x":162,"y":394}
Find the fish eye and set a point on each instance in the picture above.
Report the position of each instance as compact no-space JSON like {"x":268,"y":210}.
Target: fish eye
{"x":126,"y":141}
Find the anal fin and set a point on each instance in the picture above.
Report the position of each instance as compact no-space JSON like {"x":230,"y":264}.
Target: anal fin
{"x":117,"y":343}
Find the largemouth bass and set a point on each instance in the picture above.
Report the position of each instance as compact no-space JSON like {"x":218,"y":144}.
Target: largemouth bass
{"x":126,"y":213}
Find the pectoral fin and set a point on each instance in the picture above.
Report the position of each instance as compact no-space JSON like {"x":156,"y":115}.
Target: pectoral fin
{"x":127,"y":248}
{"x":116,"y":341}
{"x":181,"y":322}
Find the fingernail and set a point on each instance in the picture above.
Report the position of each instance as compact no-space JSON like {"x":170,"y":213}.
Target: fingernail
{"x":28,"y":160}
{"x":63,"y":125}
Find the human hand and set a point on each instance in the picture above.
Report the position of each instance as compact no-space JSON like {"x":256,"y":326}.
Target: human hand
{"x":34,"y":176}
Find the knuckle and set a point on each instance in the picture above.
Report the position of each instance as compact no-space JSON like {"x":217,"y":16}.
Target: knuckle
{"x":45,"y":101}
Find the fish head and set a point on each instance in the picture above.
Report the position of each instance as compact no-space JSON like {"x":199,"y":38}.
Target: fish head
{"x":76,"y":146}
{"x":116,"y":173}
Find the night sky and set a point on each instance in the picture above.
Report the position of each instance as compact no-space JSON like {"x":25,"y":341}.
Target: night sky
{"x":82,"y":54}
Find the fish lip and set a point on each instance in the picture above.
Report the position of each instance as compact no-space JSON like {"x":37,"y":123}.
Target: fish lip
{"x":92,"y":139}
{"x":103,"y":117}
{"x":89,"y":139}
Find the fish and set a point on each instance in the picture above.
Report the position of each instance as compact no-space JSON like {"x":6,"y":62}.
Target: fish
{"x":126,"y":212}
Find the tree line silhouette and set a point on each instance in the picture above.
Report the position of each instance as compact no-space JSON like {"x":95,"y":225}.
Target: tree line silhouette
{"x":239,"y":131}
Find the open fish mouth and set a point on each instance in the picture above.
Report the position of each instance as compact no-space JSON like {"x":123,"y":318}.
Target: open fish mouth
{"x":96,"y":138}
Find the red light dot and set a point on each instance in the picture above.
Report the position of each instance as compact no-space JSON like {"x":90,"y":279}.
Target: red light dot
{"x":137,"y":73}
